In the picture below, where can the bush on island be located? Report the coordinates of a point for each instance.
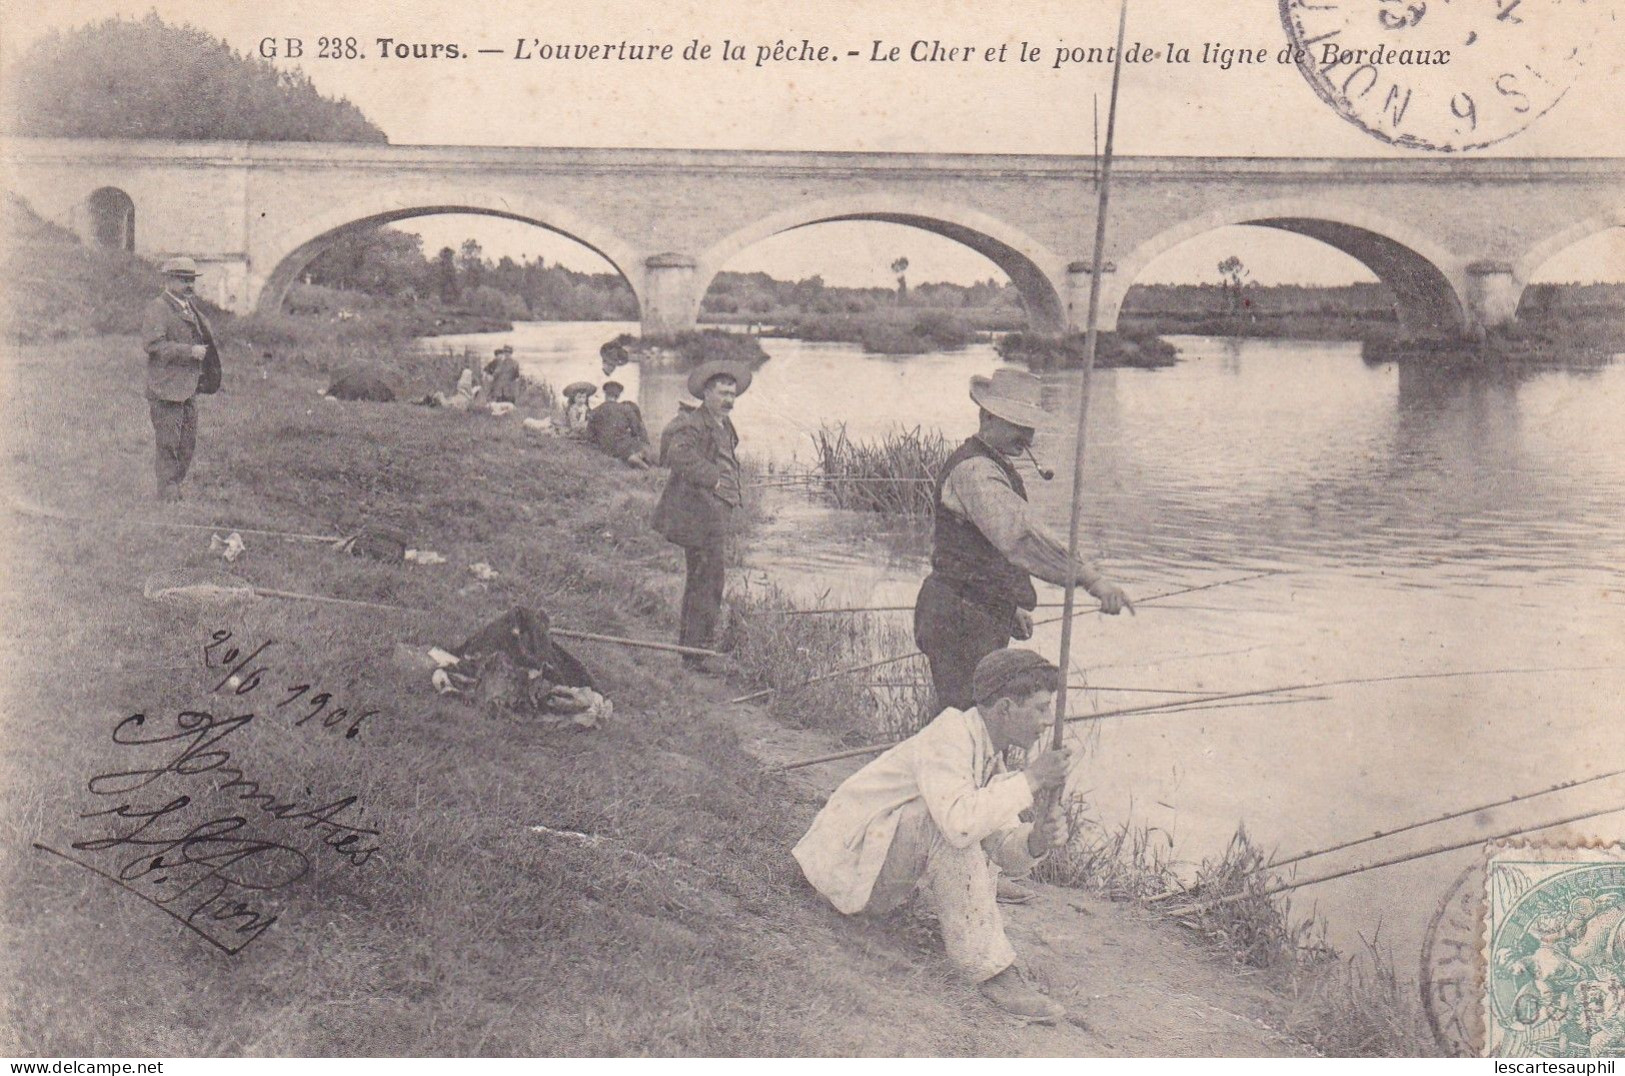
(1043, 352)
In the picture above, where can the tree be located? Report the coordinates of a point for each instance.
(445, 275)
(379, 261)
(471, 264)
(900, 267)
(126, 78)
(1235, 279)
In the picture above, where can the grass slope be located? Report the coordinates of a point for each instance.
(686, 930)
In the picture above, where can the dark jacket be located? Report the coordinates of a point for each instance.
(167, 336)
(963, 558)
(691, 512)
(504, 383)
(616, 426)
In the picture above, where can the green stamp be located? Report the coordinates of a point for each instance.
(1554, 944)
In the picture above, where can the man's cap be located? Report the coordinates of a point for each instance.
(705, 371)
(179, 267)
(612, 387)
(995, 673)
(1013, 395)
(505, 349)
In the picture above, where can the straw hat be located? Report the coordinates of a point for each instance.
(705, 371)
(179, 267)
(584, 388)
(1013, 395)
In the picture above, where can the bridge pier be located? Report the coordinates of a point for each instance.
(668, 302)
(1493, 292)
(224, 281)
(1077, 297)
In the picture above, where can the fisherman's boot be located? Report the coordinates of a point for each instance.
(1008, 992)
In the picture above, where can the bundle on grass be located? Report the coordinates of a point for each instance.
(512, 665)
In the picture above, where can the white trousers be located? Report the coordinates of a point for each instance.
(960, 886)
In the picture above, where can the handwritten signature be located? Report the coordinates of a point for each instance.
(216, 876)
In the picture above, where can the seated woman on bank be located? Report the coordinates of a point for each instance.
(577, 409)
(616, 427)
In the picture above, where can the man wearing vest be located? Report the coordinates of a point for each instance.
(182, 361)
(989, 543)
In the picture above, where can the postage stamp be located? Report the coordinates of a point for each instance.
(1554, 950)
(1440, 76)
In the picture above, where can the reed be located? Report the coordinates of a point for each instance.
(1340, 1006)
(894, 476)
(780, 652)
(1123, 864)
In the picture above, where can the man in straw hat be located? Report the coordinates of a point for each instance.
(989, 542)
(939, 814)
(182, 361)
(696, 507)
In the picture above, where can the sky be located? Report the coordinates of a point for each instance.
(979, 105)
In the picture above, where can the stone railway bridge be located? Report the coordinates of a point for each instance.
(1456, 238)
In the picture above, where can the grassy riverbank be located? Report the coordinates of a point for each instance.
(659, 913)
(417, 909)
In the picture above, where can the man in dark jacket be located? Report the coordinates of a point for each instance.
(502, 373)
(696, 508)
(616, 427)
(181, 362)
(989, 542)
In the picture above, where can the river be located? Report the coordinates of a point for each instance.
(1419, 521)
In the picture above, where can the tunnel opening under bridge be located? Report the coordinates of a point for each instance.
(1278, 274)
(365, 252)
(893, 269)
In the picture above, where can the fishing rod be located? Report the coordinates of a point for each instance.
(1450, 817)
(563, 633)
(791, 480)
(870, 749)
(1426, 853)
(1076, 687)
(766, 691)
(910, 609)
(1168, 594)
(49, 513)
(1345, 682)
(1174, 706)
(1090, 341)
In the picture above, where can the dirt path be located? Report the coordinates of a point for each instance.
(1135, 985)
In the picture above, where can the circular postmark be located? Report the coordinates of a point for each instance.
(1436, 75)
(1555, 983)
(1452, 977)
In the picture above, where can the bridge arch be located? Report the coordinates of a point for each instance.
(1032, 268)
(286, 254)
(1548, 248)
(1429, 282)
